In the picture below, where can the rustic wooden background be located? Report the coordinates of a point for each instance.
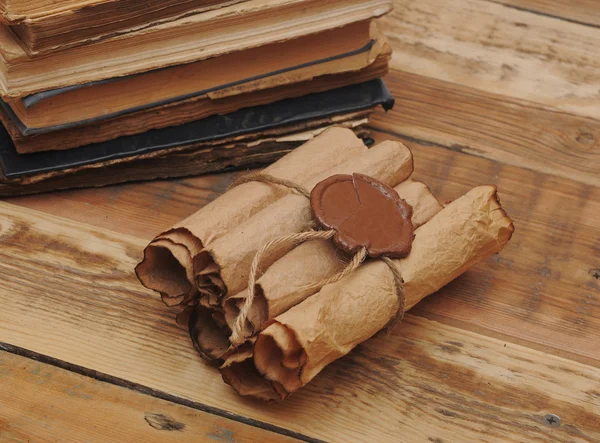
(488, 91)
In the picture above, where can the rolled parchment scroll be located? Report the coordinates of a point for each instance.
(167, 265)
(298, 323)
(223, 266)
(290, 280)
(299, 343)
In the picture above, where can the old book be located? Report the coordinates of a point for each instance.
(246, 137)
(355, 100)
(177, 163)
(44, 25)
(181, 112)
(188, 39)
(345, 49)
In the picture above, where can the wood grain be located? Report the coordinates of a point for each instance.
(42, 403)
(508, 130)
(489, 91)
(580, 11)
(69, 292)
(541, 289)
(137, 209)
(502, 50)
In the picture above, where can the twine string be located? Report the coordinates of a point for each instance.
(399, 283)
(237, 333)
(268, 178)
(356, 261)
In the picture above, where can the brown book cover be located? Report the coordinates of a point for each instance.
(45, 26)
(181, 112)
(345, 49)
(246, 137)
(197, 37)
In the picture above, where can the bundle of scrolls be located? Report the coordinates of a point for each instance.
(294, 266)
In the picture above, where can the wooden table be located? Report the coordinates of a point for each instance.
(502, 91)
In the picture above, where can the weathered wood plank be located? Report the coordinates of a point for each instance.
(543, 287)
(43, 403)
(138, 209)
(508, 130)
(498, 49)
(553, 301)
(579, 11)
(69, 292)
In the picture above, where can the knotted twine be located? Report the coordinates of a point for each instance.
(237, 336)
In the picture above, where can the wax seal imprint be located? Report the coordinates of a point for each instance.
(364, 213)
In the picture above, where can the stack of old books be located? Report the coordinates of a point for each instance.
(104, 91)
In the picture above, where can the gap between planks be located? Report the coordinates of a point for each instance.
(549, 269)
(145, 390)
(581, 12)
(548, 266)
(95, 314)
(494, 48)
(47, 400)
(504, 129)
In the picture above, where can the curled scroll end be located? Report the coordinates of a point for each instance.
(364, 213)
(239, 372)
(242, 376)
(504, 220)
(208, 334)
(280, 358)
(162, 272)
(167, 266)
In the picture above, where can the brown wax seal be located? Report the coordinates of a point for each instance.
(364, 213)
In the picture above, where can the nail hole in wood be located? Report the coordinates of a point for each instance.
(163, 423)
